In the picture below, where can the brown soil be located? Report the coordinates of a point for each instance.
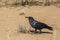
(10, 20)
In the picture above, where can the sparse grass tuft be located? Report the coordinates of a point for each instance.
(57, 4)
(22, 29)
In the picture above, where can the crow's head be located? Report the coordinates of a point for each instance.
(30, 17)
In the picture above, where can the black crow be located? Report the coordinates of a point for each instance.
(38, 25)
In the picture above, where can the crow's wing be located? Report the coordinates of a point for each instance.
(35, 23)
(39, 24)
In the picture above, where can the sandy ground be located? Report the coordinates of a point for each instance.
(10, 20)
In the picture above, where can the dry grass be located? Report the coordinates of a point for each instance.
(22, 28)
(16, 3)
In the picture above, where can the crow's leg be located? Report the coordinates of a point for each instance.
(40, 30)
(35, 30)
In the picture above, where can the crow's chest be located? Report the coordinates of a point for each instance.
(33, 24)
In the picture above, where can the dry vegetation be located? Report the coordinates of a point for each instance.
(29, 2)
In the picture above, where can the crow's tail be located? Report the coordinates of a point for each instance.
(50, 28)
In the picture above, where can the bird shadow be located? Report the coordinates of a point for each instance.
(32, 31)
